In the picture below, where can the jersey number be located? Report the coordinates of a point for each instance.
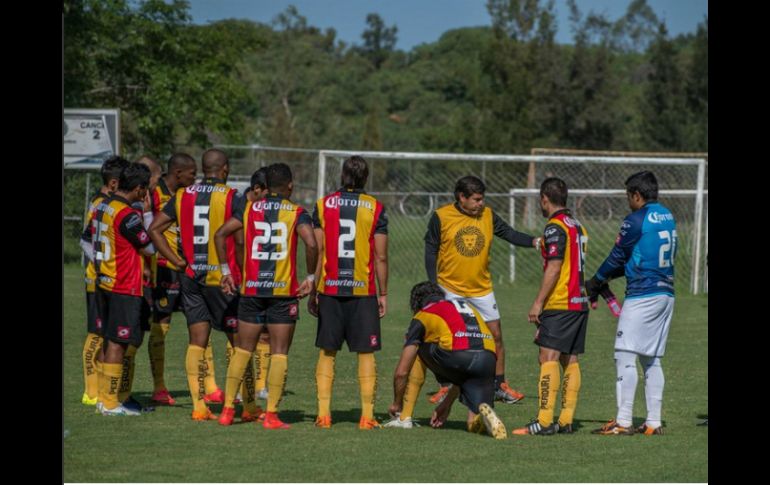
(201, 219)
(667, 249)
(275, 233)
(101, 229)
(462, 307)
(350, 236)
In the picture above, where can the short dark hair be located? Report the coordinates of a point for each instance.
(422, 292)
(259, 179)
(354, 172)
(556, 190)
(645, 183)
(112, 167)
(179, 160)
(468, 186)
(135, 175)
(278, 176)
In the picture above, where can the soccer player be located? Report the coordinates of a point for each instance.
(110, 173)
(457, 246)
(199, 211)
(560, 311)
(180, 172)
(644, 252)
(451, 339)
(351, 229)
(119, 241)
(269, 288)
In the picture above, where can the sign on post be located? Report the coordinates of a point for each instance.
(90, 136)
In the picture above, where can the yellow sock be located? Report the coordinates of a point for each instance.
(247, 387)
(127, 375)
(111, 379)
(547, 392)
(209, 380)
(90, 377)
(324, 379)
(569, 393)
(276, 380)
(367, 379)
(262, 357)
(101, 381)
(413, 385)
(195, 365)
(156, 347)
(235, 371)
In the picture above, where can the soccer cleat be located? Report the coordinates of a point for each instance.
(88, 401)
(226, 416)
(564, 429)
(477, 425)
(247, 417)
(206, 415)
(262, 394)
(119, 410)
(366, 423)
(612, 427)
(507, 394)
(134, 405)
(648, 431)
(323, 422)
(440, 395)
(534, 427)
(398, 423)
(216, 397)
(494, 425)
(271, 421)
(163, 397)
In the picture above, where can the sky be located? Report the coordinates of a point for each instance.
(421, 21)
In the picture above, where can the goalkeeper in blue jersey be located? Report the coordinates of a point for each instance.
(644, 253)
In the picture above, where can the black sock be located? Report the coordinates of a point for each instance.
(499, 379)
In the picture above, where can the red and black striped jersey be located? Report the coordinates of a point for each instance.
(453, 325)
(118, 235)
(270, 246)
(88, 234)
(160, 196)
(349, 219)
(564, 238)
(200, 210)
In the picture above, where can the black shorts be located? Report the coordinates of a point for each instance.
(121, 317)
(201, 303)
(355, 320)
(254, 309)
(93, 322)
(562, 330)
(166, 296)
(472, 370)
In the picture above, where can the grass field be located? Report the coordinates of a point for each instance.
(166, 446)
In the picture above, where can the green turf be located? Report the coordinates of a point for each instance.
(166, 446)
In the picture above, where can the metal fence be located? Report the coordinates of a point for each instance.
(413, 185)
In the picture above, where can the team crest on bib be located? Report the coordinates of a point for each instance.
(469, 241)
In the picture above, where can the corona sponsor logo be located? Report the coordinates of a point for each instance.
(205, 188)
(337, 201)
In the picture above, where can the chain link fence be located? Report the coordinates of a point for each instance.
(413, 185)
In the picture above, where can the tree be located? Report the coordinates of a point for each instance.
(379, 40)
(698, 89)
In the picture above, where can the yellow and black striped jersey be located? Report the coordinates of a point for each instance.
(453, 325)
(160, 196)
(564, 238)
(349, 219)
(200, 210)
(118, 235)
(270, 246)
(87, 236)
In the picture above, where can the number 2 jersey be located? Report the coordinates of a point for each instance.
(644, 251)
(270, 246)
(199, 210)
(349, 220)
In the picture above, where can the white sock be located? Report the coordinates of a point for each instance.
(653, 389)
(625, 387)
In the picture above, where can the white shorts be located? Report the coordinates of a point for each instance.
(486, 305)
(644, 324)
